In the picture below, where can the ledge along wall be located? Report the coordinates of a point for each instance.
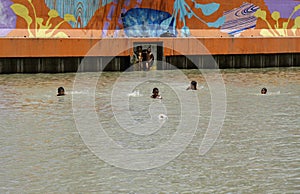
(62, 36)
(72, 55)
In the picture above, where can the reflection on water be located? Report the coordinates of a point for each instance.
(256, 152)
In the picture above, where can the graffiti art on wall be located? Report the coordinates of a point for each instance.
(7, 17)
(105, 2)
(184, 11)
(109, 20)
(279, 29)
(285, 7)
(143, 22)
(41, 29)
(153, 23)
(240, 19)
(81, 9)
(141, 18)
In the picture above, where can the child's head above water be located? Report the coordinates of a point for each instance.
(263, 91)
(155, 93)
(60, 91)
(193, 86)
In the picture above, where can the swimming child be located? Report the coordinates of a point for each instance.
(60, 91)
(193, 86)
(156, 94)
(263, 91)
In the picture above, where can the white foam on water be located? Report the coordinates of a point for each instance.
(162, 117)
(135, 93)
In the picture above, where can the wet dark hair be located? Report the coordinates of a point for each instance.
(60, 89)
(264, 90)
(194, 83)
(155, 90)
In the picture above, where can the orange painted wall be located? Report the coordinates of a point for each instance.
(12, 47)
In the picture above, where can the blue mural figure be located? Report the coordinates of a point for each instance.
(82, 10)
(145, 22)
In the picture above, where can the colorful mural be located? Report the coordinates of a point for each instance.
(183, 11)
(240, 19)
(279, 29)
(82, 10)
(285, 7)
(143, 22)
(41, 29)
(7, 18)
(141, 18)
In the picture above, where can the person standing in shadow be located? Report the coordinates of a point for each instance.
(149, 59)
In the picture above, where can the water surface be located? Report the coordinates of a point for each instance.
(257, 150)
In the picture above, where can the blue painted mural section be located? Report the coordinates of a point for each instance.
(7, 18)
(144, 22)
(105, 2)
(111, 12)
(82, 10)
